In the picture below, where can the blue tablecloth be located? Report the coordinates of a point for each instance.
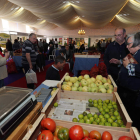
(85, 50)
(84, 64)
(39, 88)
(17, 60)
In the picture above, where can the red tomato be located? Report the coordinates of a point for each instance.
(95, 135)
(125, 138)
(49, 124)
(86, 133)
(45, 135)
(106, 136)
(76, 132)
(87, 138)
(55, 138)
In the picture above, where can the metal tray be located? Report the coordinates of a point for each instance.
(10, 97)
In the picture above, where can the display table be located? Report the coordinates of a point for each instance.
(84, 64)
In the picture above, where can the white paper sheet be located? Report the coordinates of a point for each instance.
(50, 83)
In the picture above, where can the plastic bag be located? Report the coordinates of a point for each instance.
(31, 77)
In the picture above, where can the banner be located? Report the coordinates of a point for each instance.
(3, 38)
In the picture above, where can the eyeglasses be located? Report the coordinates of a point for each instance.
(129, 43)
(118, 35)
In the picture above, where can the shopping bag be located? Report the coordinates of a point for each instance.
(31, 77)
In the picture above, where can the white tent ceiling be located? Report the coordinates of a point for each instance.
(48, 14)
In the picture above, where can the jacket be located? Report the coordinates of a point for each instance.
(3, 69)
(130, 82)
(114, 50)
(68, 56)
(16, 46)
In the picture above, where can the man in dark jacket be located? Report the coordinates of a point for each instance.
(129, 80)
(68, 55)
(16, 45)
(9, 45)
(115, 53)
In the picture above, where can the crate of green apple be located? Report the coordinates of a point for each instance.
(48, 129)
(108, 114)
(86, 84)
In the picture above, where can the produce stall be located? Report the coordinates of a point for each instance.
(116, 132)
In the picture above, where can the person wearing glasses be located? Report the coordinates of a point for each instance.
(115, 53)
(129, 80)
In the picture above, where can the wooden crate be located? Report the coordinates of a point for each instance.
(21, 130)
(36, 127)
(109, 77)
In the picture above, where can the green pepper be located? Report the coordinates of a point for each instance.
(63, 133)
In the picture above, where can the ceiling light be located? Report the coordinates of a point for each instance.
(77, 1)
(83, 16)
(81, 32)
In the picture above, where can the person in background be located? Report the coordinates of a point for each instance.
(103, 45)
(99, 45)
(56, 43)
(129, 80)
(53, 71)
(9, 45)
(0, 49)
(40, 43)
(45, 46)
(82, 48)
(115, 53)
(51, 48)
(3, 69)
(68, 55)
(20, 42)
(29, 50)
(16, 45)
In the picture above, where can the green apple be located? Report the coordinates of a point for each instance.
(76, 84)
(80, 78)
(84, 83)
(90, 105)
(95, 116)
(95, 123)
(101, 123)
(101, 116)
(55, 104)
(104, 107)
(89, 89)
(64, 83)
(111, 110)
(100, 104)
(103, 120)
(113, 103)
(111, 87)
(123, 126)
(88, 121)
(91, 119)
(100, 101)
(81, 121)
(102, 90)
(101, 86)
(97, 120)
(114, 106)
(106, 116)
(95, 105)
(93, 79)
(101, 109)
(103, 112)
(107, 124)
(104, 104)
(107, 101)
(73, 79)
(89, 81)
(67, 78)
(114, 124)
(85, 118)
(85, 89)
(119, 117)
(80, 88)
(69, 83)
(93, 85)
(110, 106)
(113, 118)
(86, 76)
(111, 113)
(75, 120)
(98, 82)
(89, 115)
(120, 122)
(106, 110)
(74, 88)
(106, 85)
(109, 81)
(99, 77)
(90, 100)
(94, 89)
(104, 80)
(109, 91)
(85, 113)
(95, 101)
(110, 120)
(80, 116)
(116, 113)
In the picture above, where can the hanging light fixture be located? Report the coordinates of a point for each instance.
(81, 32)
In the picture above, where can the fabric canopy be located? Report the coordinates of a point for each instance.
(48, 14)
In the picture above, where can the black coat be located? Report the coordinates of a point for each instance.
(16, 46)
(9, 46)
(69, 56)
(51, 50)
(114, 50)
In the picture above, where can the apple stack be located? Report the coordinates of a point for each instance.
(86, 84)
(108, 116)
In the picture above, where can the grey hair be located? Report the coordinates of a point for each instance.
(32, 35)
(124, 31)
(60, 59)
